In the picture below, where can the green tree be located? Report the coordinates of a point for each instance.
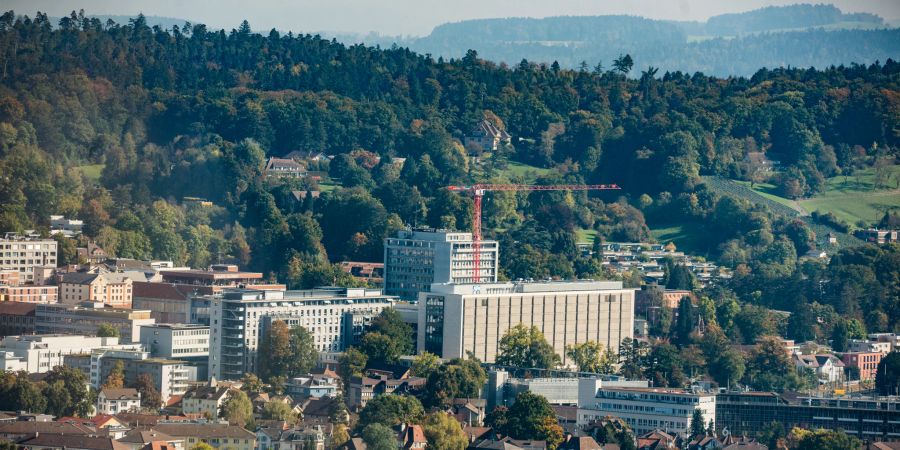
(459, 378)
(351, 363)
(425, 364)
(526, 347)
(237, 409)
(391, 410)
(202, 446)
(887, 376)
(27, 396)
(278, 410)
(58, 398)
(698, 423)
(379, 437)
(590, 357)
(339, 436)
(82, 399)
(684, 323)
(286, 352)
(827, 440)
(526, 417)
(443, 432)
(107, 330)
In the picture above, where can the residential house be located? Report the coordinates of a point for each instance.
(381, 379)
(66, 227)
(140, 438)
(284, 168)
(704, 442)
(469, 411)
(657, 440)
(46, 441)
(92, 254)
(205, 400)
(487, 137)
(114, 401)
(412, 437)
(828, 368)
(580, 443)
(313, 385)
(218, 435)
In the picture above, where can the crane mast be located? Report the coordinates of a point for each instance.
(478, 190)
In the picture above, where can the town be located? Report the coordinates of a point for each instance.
(586, 231)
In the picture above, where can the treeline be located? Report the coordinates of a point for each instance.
(190, 112)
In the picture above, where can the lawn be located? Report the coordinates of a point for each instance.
(92, 171)
(686, 238)
(515, 169)
(585, 236)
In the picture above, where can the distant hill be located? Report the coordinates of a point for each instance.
(729, 44)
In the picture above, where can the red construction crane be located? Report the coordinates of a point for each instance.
(478, 191)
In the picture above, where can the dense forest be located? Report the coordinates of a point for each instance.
(193, 112)
(795, 35)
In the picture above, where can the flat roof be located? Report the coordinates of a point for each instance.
(210, 274)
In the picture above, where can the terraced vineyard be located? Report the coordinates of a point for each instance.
(729, 187)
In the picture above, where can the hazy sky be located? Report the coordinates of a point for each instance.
(416, 17)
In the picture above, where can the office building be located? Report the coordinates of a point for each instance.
(41, 353)
(217, 279)
(415, 259)
(22, 254)
(184, 342)
(28, 293)
(645, 409)
(113, 289)
(455, 319)
(86, 318)
(16, 318)
(238, 320)
(866, 417)
(558, 387)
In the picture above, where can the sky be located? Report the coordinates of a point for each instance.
(409, 17)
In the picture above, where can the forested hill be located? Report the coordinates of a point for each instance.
(730, 44)
(117, 123)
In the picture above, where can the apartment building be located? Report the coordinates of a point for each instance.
(415, 259)
(40, 353)
(865, 363)
(646, 409)
(86, 318)
(170, 377)
(28, 294)
(239, 319)
(114, 401)
(184, 342)
(456, 319)
(22, 254)
(110, 288)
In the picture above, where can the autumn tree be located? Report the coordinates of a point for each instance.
(286, 352)
(237, 409)
(444, 432)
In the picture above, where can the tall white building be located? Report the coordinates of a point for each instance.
(41, 353)
(644, 409)
(23, 254)
(455, 319)
(238, 321)
(415, 259)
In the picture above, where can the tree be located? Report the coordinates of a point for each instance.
(379, 437)
(150, 397)
(286, 352)
(278, 410)
(107, 330)
(698, 423)
(684, 323)
(459, 378)
(826, 440)
(237, 409)
(202, 446)
(443, 432)
(590, 357)
(887, 376)
(251, 384)
(632, 356)
(391, 410)
(526, 347)
(58, 399)
(425, 364)
(351, 364)
(840, 336)
(116, 377)
(525, 419)
(390, 324)
(623, 64)
(75, 382)
(339, 436)
(380, 347)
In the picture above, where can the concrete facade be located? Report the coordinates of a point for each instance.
(455, 319)
(415, 259)
(23, 254)
(86, 319)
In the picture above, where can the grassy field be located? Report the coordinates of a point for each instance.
(516, 169)
(92, 172)
(685, 238)
(583, 236)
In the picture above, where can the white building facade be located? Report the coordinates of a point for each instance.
(41, 353)
(455, 319)
(645, 409)
(415, 259)
(239, 319)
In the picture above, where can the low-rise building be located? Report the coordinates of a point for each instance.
(205, 400)
(28, 294)
(865, 363)
(218, 435)
(558, 387)
(828, 368)
(16, 318)
(313, 385)
(876, 236)
(65, 227)
(486, 137)
(114, 401)
(113, 289)
(86, 318)
(868, 346)
(219, 278)
(170, 377)
(91, 254)
(41, 353)
(645, 409)
(284, 168)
